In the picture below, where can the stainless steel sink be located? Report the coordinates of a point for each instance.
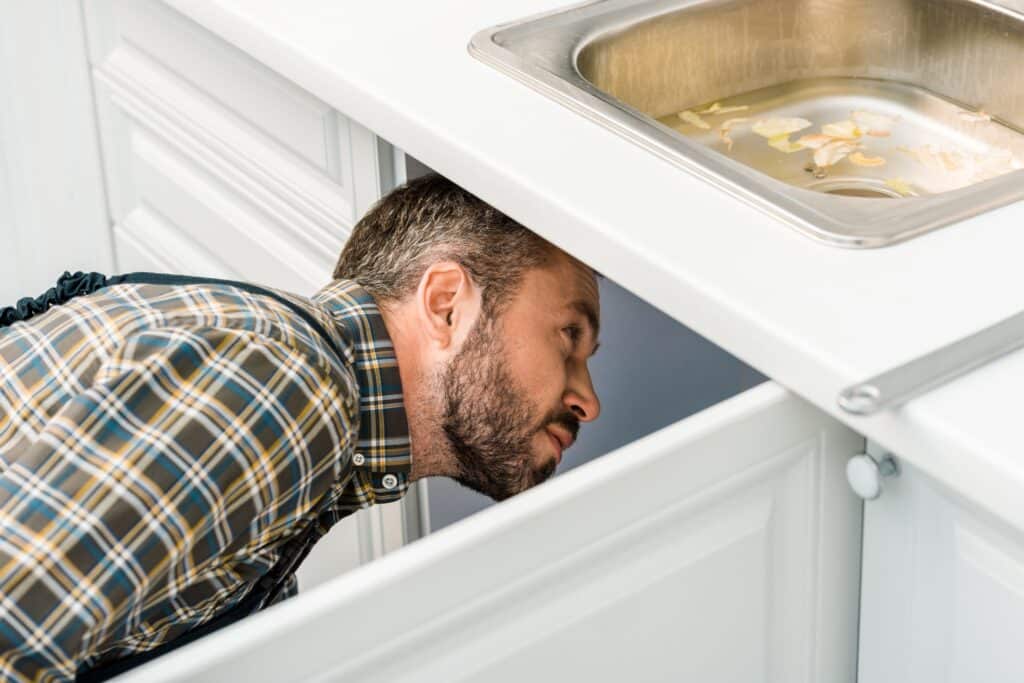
(946, 78)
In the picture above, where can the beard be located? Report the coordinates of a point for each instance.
(488, 421)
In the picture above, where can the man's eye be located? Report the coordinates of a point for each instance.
(574, 332)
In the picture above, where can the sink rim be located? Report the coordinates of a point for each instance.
(547, 59)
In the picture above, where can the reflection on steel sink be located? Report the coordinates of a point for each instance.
(946, 76)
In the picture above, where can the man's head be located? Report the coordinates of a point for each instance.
(493, 327)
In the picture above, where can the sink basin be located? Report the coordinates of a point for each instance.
(919, 102)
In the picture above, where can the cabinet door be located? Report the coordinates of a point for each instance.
(722, 548)
(943, 589)
(216, 165)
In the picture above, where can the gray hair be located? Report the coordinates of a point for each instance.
(432, 219)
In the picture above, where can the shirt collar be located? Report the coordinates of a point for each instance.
(382, 452)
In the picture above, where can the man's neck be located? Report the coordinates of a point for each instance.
(429, 457)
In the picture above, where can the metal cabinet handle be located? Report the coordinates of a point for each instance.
(896, 386)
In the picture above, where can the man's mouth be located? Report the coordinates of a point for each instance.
(561, 440)
(558, 447)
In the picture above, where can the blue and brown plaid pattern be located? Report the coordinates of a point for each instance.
(159, 444)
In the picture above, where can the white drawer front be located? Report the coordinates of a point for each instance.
(723, 548)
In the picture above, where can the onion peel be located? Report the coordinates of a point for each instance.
(694, 119)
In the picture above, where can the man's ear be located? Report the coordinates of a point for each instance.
(448, 302)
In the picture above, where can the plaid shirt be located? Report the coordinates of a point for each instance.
(159, 444)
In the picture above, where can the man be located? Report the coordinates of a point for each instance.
(161, 446)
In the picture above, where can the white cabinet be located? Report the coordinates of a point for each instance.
(722, 548)
(943, 588)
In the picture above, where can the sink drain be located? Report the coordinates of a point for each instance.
(861, 192)
(855, 187)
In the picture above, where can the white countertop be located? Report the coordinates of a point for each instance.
(812, 317)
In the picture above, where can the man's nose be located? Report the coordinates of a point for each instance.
(581, 398)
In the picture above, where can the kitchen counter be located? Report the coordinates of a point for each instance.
(812, 317)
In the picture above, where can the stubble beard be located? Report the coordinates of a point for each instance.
(486, 419)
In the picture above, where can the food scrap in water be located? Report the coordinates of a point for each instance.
(694, 119)
(874, 124)
(717, 108)
(834, 152)
(773, 128)
(843, 130)
(815, 140)
(951, 160)
(726, 128)
(843, 140)
(900, 185)
(784, 144)
(858, 159)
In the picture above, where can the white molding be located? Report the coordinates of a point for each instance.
(230, 229)
(310, 205)
(280, 110)
(143, 237)
(375, 176)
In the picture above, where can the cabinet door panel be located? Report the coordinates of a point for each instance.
(234, 158)
(723, 548)
(213, 193)
(293, 118)
(145, 241)
(943, 592)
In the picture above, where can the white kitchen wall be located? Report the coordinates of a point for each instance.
(10, 271)
(53, 215)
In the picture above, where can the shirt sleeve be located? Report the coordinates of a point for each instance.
(189, 448)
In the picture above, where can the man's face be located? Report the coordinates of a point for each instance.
(514, 396)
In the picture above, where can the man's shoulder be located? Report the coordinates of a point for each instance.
(266, 314)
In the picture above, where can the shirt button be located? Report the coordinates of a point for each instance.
(389, 481)
(359, 459)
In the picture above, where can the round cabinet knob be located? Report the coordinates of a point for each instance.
(865, 474)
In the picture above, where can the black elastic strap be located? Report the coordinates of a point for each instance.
(68, 287)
